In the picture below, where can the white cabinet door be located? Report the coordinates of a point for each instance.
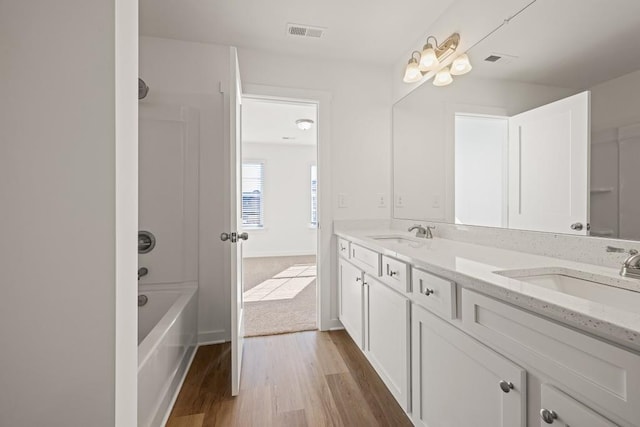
(456, 381)
(549, 166)
(387, 337)
(350, 310)
(562, 411)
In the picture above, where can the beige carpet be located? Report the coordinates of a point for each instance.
(280, 295)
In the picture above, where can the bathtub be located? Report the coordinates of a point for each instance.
(167, 328)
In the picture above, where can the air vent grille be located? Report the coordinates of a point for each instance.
(299, 30)
(501, 58)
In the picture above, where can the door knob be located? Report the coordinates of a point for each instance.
(243, 236)
(577, 226)
(506, 386)
(224, 237)
(548, 416)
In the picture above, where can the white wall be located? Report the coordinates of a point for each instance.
(191, 74)
(287, 200)
(360, 122)
(68, 167)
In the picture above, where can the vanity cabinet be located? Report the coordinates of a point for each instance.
(387, 337)
(459, 382)
(350, 309)
(603, 376)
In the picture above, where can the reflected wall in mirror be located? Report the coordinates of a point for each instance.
(545, 138)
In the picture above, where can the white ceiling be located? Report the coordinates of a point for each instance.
(568, 43)
(266, 121)
(376, 31)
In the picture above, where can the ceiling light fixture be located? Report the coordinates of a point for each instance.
(304, 124)
(429, 62)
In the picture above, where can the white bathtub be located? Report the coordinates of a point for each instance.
(167, 328)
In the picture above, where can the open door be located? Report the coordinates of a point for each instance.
(234, 236)
(549, 150)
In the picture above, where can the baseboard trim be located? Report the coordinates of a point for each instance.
(277, 254)
(332, 325)
(213, 337)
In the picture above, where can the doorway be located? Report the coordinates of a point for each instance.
(280, 213)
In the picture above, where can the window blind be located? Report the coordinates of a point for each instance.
(253, 195)
(314, 195)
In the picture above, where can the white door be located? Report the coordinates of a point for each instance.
(562, 411)
(234, 236)
(549, 167)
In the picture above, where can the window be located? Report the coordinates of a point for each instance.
(314, 195)
(253, 195)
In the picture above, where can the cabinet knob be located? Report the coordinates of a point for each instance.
(342, 248)
(506, 386)
(393, 273)
(548, 416)
(358, 279)
(428, 291)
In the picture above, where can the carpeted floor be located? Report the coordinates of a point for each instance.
(280, 295)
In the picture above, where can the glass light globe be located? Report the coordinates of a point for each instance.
(443, 77)
(428, 58)
(412, 73)
(461, 65)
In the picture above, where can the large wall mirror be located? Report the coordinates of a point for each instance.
(543, 134)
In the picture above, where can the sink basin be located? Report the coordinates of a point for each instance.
(399, 240)
(591, 287)
(393, 239)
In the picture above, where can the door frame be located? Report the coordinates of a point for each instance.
(322, 100)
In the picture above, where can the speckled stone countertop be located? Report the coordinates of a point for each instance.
(474, 266)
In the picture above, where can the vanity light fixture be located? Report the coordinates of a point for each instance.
(429, 62)
(304, 124)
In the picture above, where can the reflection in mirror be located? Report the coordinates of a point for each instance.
(546, 137)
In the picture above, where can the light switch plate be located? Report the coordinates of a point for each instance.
(342, 200)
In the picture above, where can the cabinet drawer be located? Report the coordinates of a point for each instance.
(366, 259)
(434, 293)
(343, 248)
(600, 374)
(396, 274)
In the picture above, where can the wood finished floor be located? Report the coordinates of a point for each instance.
(302, 379)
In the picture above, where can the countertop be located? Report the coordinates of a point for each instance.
(473, 266)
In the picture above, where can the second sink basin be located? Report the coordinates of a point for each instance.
(579, 284)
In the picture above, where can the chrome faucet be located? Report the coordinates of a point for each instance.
(631, 265)
(422, 231)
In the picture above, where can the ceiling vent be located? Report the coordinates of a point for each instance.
(299, 30)
(502, 58)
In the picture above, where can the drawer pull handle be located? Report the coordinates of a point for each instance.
(358, 279)
(506, 386)
(428, 291)
(548, 416)
(393, 273)
(342, 248)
